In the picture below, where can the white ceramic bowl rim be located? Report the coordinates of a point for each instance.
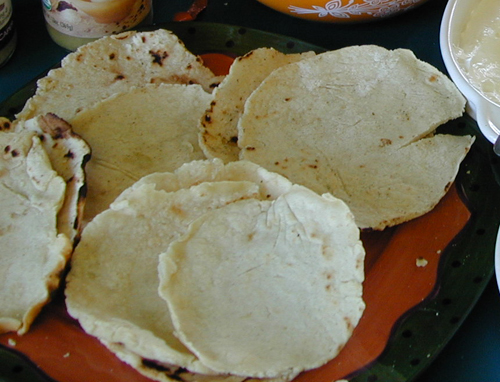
(484, 111)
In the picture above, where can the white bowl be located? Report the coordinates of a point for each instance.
(485, 112)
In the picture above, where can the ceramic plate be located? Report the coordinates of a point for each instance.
(497, 260)
(422, 277)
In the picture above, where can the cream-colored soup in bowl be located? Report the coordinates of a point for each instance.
(470, 46)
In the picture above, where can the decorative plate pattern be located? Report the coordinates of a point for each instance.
(337, 8)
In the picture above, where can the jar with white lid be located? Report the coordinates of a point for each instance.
(72, 23)
(7, 32)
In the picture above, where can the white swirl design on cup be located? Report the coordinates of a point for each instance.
(375, 8)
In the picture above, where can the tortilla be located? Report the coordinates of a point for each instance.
(148, 129)
(33, 253)
(68, 154)
(350, 122)
(112, 286)
(266, 288)
(111, 65)
(219, 125)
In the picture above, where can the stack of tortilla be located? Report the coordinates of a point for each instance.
(164, 90)
(42, 181)
(358, 122)
(219, 273)
(136, 98)
(219, 135)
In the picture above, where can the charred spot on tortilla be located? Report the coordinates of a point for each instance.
(158, 56)
(5, 124)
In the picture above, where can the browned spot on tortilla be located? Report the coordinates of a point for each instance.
(177, 210)
(385, 142)
(349, 324)
(246, 55)
(359, 263)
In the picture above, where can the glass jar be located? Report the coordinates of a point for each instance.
(72, 23)
(7, 32)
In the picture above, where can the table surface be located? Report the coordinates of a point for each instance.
(473, 355)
